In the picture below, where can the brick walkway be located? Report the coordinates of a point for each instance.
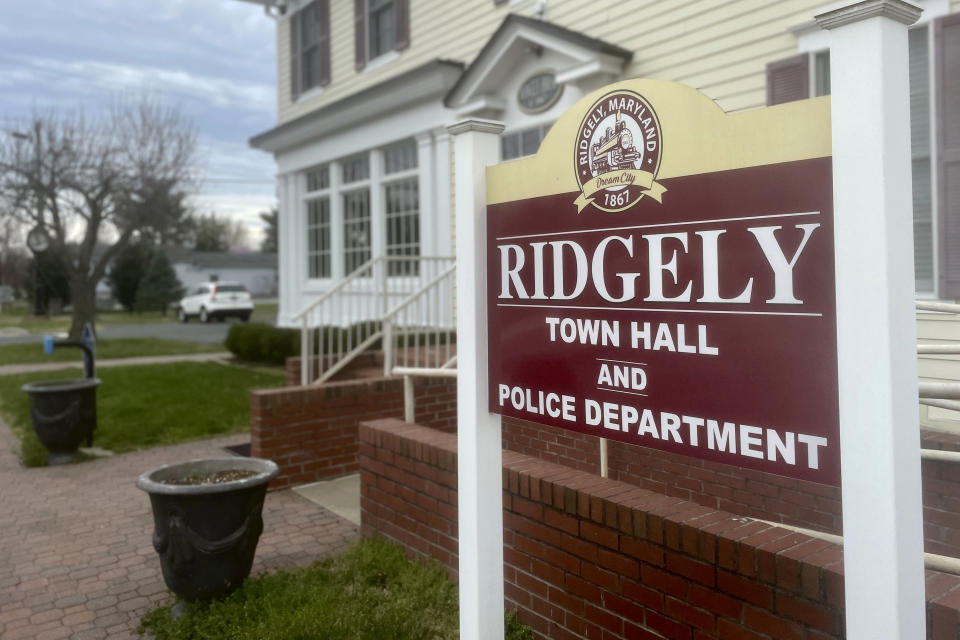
(76, 558)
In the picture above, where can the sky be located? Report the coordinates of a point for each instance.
(214, 59)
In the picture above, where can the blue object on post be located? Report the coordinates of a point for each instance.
(87, 344)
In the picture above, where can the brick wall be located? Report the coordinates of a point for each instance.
(742, 491)
(312, 435)
(575, 450)
(586, 557)
(311, 432)
(365, 365)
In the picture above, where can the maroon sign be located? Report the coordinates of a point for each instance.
(700, 320)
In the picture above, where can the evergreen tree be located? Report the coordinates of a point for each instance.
(269, 243)
(159, 286)
(127, 271)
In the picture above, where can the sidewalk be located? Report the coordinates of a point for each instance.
(15, 369)
(76, 558)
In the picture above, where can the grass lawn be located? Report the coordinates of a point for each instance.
(15, 316)
(148, 406)
(117, 348)
(369, 592)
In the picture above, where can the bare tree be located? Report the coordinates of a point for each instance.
(93, 184)
(218, 233)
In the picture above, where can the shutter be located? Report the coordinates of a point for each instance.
(402, 11)
(294, 57)
(788, 79)
(947, 73)
(322, 8)
(360, 33)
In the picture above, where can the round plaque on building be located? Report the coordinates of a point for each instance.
(539, 92)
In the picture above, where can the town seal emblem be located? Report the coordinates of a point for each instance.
(618, 153)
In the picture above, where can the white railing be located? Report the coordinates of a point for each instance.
(419, 336)
(348, 319)
(944, 395)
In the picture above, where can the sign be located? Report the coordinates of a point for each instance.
(662, 274)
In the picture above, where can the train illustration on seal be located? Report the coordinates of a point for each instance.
(614, 150)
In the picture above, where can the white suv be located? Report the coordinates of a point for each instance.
(216, 300)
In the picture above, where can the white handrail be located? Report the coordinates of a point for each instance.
(351, 315)
(354, 275)
(397, 308)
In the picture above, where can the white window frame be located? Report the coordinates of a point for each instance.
(317, 89)
(387, 56)
(812, 40)
(316, 194)
(393, 178)
(376, 185)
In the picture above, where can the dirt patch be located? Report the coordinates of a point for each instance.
(213, 477)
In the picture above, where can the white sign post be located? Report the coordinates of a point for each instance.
(876, 325)
(479, 454)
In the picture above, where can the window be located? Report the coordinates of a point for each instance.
(318, 178)
(821, 73)
(380, 26)
(400, 157)
(355, 169)
(920, 137)
(402, 206)
(522, 143)
(310, 47)
(318, 237)
(807, 74)
(356, 229)
(318, 222)
(365, 198)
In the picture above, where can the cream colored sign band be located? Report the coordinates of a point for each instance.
(693, 136)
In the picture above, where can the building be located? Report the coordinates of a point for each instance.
(256, 271)
(365, 90)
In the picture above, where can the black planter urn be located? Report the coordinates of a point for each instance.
(64, 414)
(206, 534)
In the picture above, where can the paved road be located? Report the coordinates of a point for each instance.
(76, 559)
(212, 333)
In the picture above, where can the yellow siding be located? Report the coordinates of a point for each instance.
(718, 46)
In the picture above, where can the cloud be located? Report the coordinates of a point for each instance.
(214, 59)
(86, 78)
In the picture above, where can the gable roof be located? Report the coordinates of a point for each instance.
(509, 25)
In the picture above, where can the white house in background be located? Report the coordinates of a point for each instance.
(365, 89)
(256, 271)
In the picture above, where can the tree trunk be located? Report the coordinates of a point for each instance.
(83, 299)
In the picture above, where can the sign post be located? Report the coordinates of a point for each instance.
(876, 321)
(479, 468)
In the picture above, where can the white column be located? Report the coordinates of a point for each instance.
(876, 327)
(378, 226)
(426, 183)
(378, 232)
(479, 469)
(286, 306)
(337, 271)
(441, 178)
(295, 259)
